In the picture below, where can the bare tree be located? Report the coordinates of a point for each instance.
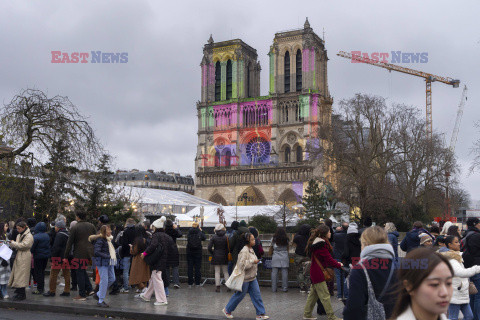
(33, 122)
(382, 160)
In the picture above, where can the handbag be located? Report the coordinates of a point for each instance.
(229, 255)
(328, 273)
(472, 289)
(235, 281)
(153, 257)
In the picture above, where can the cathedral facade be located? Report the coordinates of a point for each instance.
(252, 149)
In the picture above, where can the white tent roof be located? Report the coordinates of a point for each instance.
(159, 196)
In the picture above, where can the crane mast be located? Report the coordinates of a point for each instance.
(429, 78)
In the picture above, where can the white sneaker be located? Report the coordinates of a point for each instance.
(143, 298)
(228, 315)
(176, 286)
(124, 290)
(6, 296)
(304, 318)
(160, 303)
(263, 317)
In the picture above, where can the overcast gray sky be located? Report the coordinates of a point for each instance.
(144, 111)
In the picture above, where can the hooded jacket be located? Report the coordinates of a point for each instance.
(60, 243)
(41, 242)
(218, 248)
(378, 263)
(160, 238)
(461, 275)
(320, 251)
(301, 239)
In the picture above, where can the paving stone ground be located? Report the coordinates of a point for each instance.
(192, 302)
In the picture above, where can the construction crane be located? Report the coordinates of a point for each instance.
(429, 78)
(453, 142)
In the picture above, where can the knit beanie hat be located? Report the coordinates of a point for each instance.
(352, 228)
(219, 227)
(158, 224)
(243, 223)
(60, 224)
(424, 238)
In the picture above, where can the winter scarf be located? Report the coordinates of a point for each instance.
(111, 250)
(380, 250)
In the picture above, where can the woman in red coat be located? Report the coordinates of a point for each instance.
(320, 250)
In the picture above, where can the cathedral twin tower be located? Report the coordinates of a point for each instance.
(252, 149)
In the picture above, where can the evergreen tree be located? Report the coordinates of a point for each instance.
(314, 201)
(99, 196)
(58, 182)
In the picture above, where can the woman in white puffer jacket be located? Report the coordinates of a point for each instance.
(460, 299)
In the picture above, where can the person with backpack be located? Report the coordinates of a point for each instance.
(320, 251)
(460, 299)
(301, 260)
(195, 237)
(372, 280)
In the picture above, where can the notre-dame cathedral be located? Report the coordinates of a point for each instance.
(252, 149)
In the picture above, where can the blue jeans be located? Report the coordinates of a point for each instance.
(230, 267)
(253, 290)
(453, 310)
(107, 278)
(126, 271)
(475, 299)
(3, 288)
(341, 282)
(173, 273)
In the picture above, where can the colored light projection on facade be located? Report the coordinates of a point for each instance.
(308, 62)
(297, 187)
(242, 131)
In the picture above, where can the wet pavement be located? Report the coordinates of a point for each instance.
(183, 303)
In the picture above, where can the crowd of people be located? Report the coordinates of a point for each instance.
(437, 279)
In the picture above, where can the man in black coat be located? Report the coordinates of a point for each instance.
(127, 239)
(58, 254)
(195, 237)
(339, 241)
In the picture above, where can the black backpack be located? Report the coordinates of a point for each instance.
(194, 241)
